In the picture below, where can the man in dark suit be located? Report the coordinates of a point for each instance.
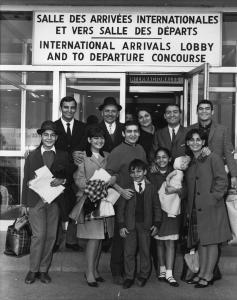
(113, 129)
(44, 216)
(72, 132)
(218, 137)
(171, 137)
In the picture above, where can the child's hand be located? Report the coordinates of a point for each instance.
(154, 168)
(154, 230)
(78, 157)
(123, 232)
(57, 182)
(127, 193)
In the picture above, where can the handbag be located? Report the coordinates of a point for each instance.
(231, 205)
(18, 241)
(104, 209)
(192, 261)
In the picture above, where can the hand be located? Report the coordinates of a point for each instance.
(57, 181)
(78, 157)
(127, 193)
(123, 232)
(154, 168)
(154, 230)
(234, 182)
(205, 151)
(112, 181)
(24, 210)
(171, 190)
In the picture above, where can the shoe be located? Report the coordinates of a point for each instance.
(30, 277)
(127, 283)
(217, 274)
(91, 283)
(74, 247)
(141, 281)
(172, 282)
(44, 277)
(203, 283)
(161, 277)
(193, 280)
(118, 280)
(99, 279)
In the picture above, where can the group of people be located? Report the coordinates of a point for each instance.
(141, 163)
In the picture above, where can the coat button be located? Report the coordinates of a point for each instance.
(199, 209)
(198, 193)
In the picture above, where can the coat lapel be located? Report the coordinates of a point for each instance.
(211, 133)
(167, 138)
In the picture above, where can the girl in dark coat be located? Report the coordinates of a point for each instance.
(206, 185)
(168, 232)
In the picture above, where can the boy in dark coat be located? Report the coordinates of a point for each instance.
(138, 219)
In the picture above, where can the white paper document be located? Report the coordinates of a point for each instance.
(101, 174)
(41, 185)
(113, 196)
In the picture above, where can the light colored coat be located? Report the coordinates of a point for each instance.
(93, 229)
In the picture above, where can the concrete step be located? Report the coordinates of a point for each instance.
(70, 261)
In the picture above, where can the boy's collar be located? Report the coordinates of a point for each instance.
(51, 149)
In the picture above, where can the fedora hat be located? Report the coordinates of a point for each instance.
(48, 125)
(110, 101)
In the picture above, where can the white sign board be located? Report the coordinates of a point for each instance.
(121, 39)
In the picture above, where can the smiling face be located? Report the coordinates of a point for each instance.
(97, 143)
(144, 118)
(195, 143)
(68, 110)
(48, 139)
(204, 112)
(162, 159)
(138, 174)
(110, 113)
(131, 134)
(172, 115)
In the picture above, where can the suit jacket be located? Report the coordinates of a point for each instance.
(60, 169)
(152, 209)
(78, 133)
(220, 143)
(118, 137)
(162, 139)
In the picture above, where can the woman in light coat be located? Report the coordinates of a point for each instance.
(206, 184)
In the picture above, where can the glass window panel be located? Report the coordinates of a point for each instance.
(10, 119)
(38, 109)
(15, 38)
(39, 78)
(229, 39)
(222, 80)
(9, 187)
(90, 93)
(224, 112)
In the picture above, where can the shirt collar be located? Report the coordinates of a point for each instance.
(136, 186)
(44, 150)
(111, 127)
(65, 124)
(176, 129)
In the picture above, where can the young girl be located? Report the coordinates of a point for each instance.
(168, 232)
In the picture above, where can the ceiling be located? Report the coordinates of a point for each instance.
(175, 3)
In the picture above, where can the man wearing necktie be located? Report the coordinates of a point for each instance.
(43, 216)
(70, 139)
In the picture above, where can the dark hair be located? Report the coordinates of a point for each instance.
(92, 119)
(173, 104)
(189, 135)
(137, 164)
(164, 150)
(144, 109)
(204, 101)
(130, 123)
(94, 131)
(67, 99)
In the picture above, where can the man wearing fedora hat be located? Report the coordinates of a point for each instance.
(113, 129)
(43, 216)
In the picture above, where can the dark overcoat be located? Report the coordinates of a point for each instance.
(206, 182)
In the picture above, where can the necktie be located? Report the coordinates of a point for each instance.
(69, 134)
(173, 135)
(110, 128)
(140, 187)
(48, 158)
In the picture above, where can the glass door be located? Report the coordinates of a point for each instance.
(196, 88)
(90, 90)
